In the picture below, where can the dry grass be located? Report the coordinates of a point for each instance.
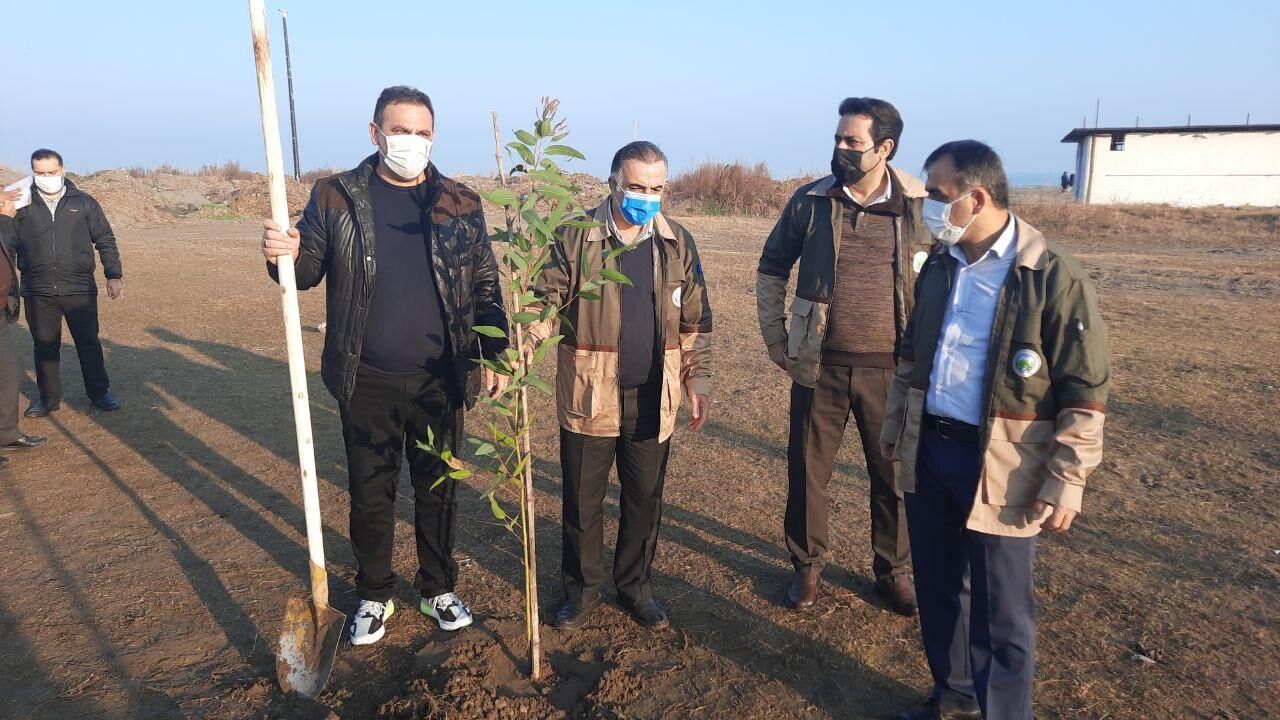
(730, 189)
(311, 176)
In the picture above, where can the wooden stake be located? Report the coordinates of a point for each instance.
(497, 149)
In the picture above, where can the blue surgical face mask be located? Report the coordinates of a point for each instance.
(639, 208)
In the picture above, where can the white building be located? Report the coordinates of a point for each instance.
(1192, 165)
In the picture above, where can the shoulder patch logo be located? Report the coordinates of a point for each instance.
(676, 296)
(1026, 363)
(917, 261)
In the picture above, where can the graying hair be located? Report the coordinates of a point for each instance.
(641, 150)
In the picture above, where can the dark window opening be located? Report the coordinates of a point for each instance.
(1117, 141)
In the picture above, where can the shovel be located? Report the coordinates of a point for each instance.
(311, 630)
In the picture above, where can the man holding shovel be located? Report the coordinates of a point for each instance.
(410, 274)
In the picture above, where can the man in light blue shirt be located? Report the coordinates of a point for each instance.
(955, 385)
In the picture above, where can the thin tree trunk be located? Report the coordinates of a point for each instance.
(526, 491)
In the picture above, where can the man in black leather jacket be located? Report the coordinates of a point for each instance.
(410, 274)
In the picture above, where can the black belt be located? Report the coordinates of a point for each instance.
(953, 430)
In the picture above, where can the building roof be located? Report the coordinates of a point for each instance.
(1081, 133)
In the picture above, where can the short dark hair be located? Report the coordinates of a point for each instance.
(45, 154)
(886, 122)
(641, 150)
(976, 165)
(400, 94)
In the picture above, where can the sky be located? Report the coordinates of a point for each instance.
(137, 82)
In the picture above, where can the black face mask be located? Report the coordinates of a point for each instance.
(846, 165)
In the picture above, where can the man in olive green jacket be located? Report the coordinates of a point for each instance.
(995, 418)
(617, 393)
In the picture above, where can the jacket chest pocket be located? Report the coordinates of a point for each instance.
(800, 332)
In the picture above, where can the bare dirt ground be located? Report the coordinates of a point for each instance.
(148, 553)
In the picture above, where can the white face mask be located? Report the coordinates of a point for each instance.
(406, 155)
(937, 217)
(49, 184)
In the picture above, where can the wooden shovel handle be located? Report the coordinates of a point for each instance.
(289, 300)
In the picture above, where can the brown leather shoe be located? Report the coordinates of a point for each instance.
(803, 591)
(900, 593)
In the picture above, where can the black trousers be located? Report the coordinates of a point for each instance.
(819, 417)
(977, 605)
(45, 314)
(386, 414)
(642, 470)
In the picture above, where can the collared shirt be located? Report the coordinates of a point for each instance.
(881, 198)
(959, 366)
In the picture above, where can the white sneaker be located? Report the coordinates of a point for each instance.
(448, 611)
(368, 625)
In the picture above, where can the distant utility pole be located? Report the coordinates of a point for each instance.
(1188, 121)
(1097, 106)
(293, 113)
(1137, 121)
(1247, 116)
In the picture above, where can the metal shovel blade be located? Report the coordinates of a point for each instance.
(308, 643)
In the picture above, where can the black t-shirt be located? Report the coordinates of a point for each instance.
(405, 331)
(638, 342)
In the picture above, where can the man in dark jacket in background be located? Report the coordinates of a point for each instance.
(410, 274)
(55, 237)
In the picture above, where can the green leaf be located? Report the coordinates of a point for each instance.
(526, 138)
(582, 224)
(554, 191)
(546, 345)
(488, 331)
(516, 259)
(525, 153)
(565, 151)
(460, 474)
(431, 438)
(614, 276)
(441, 479)
(550, 177)
(545, 129)
(500, 197)
(486, 449)
(537, 382)
(497, 510)
(524, 316)
(589, 295)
